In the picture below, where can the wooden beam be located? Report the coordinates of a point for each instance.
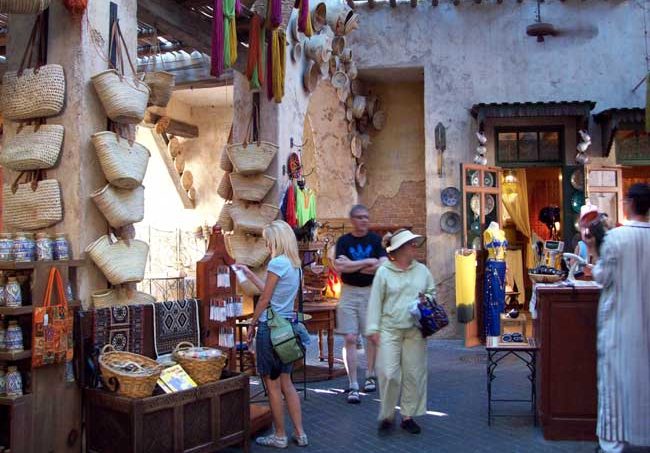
(175, 127)
(171, 168)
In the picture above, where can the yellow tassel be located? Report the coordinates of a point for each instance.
(233, 41)
(309, 31)
(279, 42)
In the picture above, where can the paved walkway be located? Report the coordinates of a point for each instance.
(457, 417)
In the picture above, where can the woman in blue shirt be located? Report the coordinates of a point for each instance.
(278, 292)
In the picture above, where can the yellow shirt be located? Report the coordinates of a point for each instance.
(393, 291)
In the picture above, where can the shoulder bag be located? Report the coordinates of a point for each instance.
(286, 343)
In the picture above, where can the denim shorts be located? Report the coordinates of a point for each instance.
(268, 363)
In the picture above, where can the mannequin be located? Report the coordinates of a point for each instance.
(494, 295)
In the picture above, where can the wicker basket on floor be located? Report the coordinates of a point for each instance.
(139, 383)
(201, 370)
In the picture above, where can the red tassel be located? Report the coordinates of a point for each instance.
(76, 7)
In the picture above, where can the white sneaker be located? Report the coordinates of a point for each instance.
(272, 441)
(301, 440)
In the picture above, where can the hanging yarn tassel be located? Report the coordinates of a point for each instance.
(237, 8)
(216, 62)
(279, 41)
(269, 67)
(229, 34)
(273, 14)
(254, 68)
(304, 18)
(76, 7)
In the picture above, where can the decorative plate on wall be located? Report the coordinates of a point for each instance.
(450, 196)
(475, 204)
(474, 178)
(578, 179)
(488, 179)
(476, 243)
(489, 203)
(577, 201)
(450, 222)
(475, 227)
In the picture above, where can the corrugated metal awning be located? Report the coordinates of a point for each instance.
(531, 109)
(613, 120)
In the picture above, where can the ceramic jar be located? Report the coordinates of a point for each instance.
(6, 247)
(3, 333)
(14, 382)
(61, 247)
(14, 337)
(24, 247)
(44, 247)
(3, 295)
(3, 382)
(13, 294)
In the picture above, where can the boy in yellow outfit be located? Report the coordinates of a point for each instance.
(402, 358)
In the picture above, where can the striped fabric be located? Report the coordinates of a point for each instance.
(624, 335)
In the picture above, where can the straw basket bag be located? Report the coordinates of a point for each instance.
(224, 162)
(128, 374)
(251, 158)
(252, 219)
(121, 207)
(250, 251)
(204, 365)
(179, 163)
(187, 180)
(318, 16)
(161, 84)
(124, 165)
(359, 106)
(124, 97)
(225, 188)
(251, 188)
(225, 220)
(23, 6)
(174, 147)
(120, 261)
(32, 205)
(37, 92)
(33, 148)
(379, 120)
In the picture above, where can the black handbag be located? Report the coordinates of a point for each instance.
(432, 316)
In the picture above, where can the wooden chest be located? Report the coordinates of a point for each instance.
(206, 419)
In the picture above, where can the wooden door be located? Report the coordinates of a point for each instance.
(605, 190)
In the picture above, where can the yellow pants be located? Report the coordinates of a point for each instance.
(402, 367)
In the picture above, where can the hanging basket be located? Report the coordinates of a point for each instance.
(175, 147)
(187, 180)
(250, 251)
(33, 148)
(32, 206)
(318, 48)
(105, 298)
(161, 84)
(251, 158)
(204, 365)
(338, 15)
(121, 207)
(225, 187)
(124, 164)
(359, 106)
(130, 375)
(120, 261)
(124, 97)
(318, 16)
(224, 162)
(33, 94)
(251, 188)
(225, 220)
(252, 218)
(23, 6)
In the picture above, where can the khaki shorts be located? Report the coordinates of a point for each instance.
(351, 310)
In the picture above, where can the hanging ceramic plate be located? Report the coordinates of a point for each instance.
(450, 222)
(474, 178)
(476, 243)
(488, 179)
(578, 179)
(475, 204)
(489, 204)
(577, 201)
(475, 227)
(450, 196)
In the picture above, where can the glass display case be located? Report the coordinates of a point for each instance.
(481, 187)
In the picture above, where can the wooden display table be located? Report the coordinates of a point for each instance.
(566, 335)
(323, 318)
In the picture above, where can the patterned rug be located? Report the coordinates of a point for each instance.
(121, 327)
(175, 321)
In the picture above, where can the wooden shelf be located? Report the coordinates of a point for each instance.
(10, 311)
(6, 401)
(15, 356)
(14, 266)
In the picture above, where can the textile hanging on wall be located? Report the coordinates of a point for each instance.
(175, 321)
(514, 197)
(304, 18)
(465, 285)
(229, 33)
(279, 43)
(255, 66)
(305, 206)
(121, 327)
(216, 61)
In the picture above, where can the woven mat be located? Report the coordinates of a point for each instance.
(121, 327)
(175, 321)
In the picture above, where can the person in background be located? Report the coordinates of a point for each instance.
(402, 356)
(622, 268)
(278, 292)
(358, 256)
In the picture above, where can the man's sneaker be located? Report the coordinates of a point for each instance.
(370, 385)
(353, 396)
(385, 427)
(301, 440)
(410, 426)
(272, 441)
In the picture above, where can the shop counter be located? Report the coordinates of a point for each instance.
(565, 331)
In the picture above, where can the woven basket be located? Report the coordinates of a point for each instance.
(201, 370)
(132, 385)
(124, 97)
(179, 163)
(105, 298)
(23, 6)
(187, 180)
(33, 94)
(33, 148)
(161, 84)
(121, 261)
(225, 220)
(225, 187)
(248, 250)
(28, 209)
(124, 165)
(121, 207)
(544, 278)
(252, 219)
(174, 147)
(251, 158)
(251, 188)
(224, 162)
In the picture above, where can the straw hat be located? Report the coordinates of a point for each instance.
(361, 175)
(379, 120)
(338, 45)
(318, 16)
(359, 106)
(311, 76)
(352, 23)
(353, 72)
(296, 52)
(372, 103)
(403, 237)
(355, 146)
(340, 80)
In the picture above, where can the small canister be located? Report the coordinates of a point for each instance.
(22, 248)
(31, 246)
(44, 247)
(3, 295)
(13, 293)
(14, 382)
(6, 247)
(3, 382)
(14, 337)
(61, 247)
(3, 332)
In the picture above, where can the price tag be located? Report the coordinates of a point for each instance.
(46, 319)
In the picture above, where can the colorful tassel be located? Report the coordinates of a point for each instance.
(279, 42)
(304, 19)
(269, 68)
(216, 63)
(254, 68)
(229, 34)
(76, 7)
